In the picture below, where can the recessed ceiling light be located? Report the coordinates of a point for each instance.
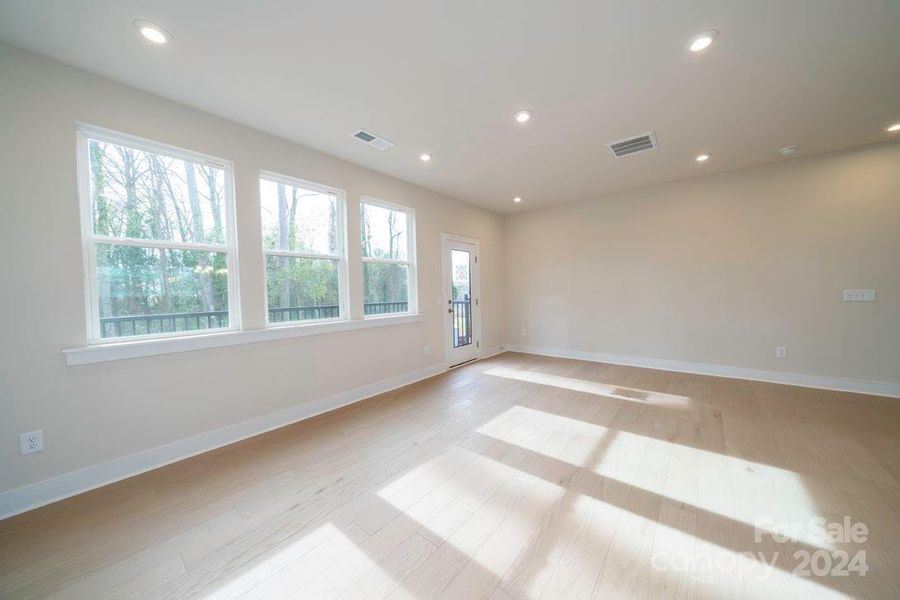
(523, 116)
(703, 158)
(703, 40)
(152, 32)
(425, 157)
(517, 199)
(894, 127)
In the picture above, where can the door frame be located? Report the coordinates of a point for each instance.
(446, 239)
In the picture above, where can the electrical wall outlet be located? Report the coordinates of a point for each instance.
(426, 350)
(780, 351)
(859, 295)
(31, 442)
(523, 333)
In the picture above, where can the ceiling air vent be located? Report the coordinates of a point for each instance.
(633, 145)
(373, 140)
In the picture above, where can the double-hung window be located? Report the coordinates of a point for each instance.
(389, 258)
(305, 253)
(158, 234)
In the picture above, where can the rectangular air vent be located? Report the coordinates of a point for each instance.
(373, 140)
(633, 145)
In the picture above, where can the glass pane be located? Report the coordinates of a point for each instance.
(462, 298)
(384, 232)
(144, 195)
(151, 290)
(459, 260)
(297, 219)
(386, 288)
(302, 289)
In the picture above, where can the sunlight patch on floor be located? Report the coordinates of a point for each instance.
(274, 567)
(463, 498)
(593, 387)
(592, 526)
(535, 424)
(716, 571)
(752, 493)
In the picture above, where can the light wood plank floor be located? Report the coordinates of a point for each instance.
(515, 477)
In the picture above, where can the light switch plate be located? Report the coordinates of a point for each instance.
(859, 295)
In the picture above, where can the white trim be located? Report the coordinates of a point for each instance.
(459, 238)
(166, 244)
(386, 204)
(388, 261)
(88, 248)
(340, 199)
(346, 311)
(231, 259)
(412, 273)
(118, 137)
(150, 337)
(859, 386)
(291, 254)
(139, 348)
(299, 182)
(28, 497)
(487, 353)
(85, 132)
(306, 323)
(447, 241)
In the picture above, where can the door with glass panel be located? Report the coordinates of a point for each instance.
(461, 308)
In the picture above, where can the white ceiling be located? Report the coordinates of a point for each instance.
(446, 76)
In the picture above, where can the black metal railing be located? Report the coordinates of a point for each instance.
(169, 323)
(165, 323)
(462, 322)
(384, 308)
(303, 313)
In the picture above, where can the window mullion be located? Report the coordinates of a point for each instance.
(151, 243)
(292, 254)
(387, 261)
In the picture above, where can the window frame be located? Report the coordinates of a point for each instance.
(412, 305)
(341, 234)
(89, 240)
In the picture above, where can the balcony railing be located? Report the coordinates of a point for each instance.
(303, 313)
(168, 323)
(385, 308)
(462, 322)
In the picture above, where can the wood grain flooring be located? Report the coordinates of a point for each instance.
(514, 477)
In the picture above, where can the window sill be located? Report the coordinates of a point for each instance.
(138, 348)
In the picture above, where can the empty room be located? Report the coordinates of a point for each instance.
(446, 299)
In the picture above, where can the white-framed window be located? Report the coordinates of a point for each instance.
(304, 246)
(158, 236)
(388, 234)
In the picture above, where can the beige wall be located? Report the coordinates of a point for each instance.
(716, 270)
(94, 413)
(722, 269)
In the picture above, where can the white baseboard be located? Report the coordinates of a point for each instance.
(31, 496)
(489, 352)
(876, 388)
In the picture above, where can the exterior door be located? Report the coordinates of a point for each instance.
(461, 299)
